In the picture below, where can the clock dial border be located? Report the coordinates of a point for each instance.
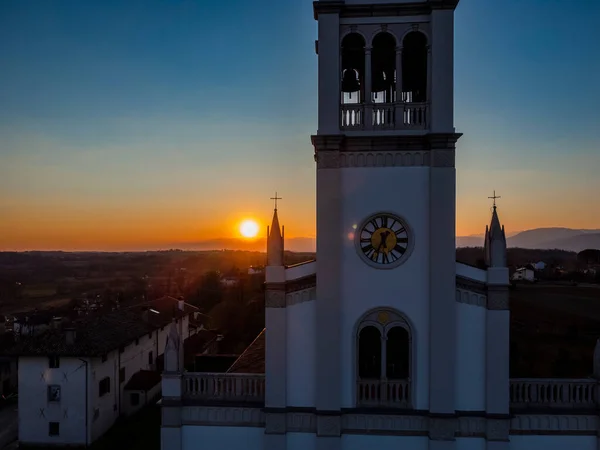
(392, 265)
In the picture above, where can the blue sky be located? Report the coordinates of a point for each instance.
(170, 119)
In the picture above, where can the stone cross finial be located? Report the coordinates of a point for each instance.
(276, 198)
(494, 197)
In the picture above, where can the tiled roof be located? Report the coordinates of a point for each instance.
(213, 363)
(169, 305)
(144, 380)
(94, 336)
(196, 343)
(253, 358)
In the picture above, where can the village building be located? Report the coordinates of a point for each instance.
(523, 274)
(75, 381)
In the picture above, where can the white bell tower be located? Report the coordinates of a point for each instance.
(386, 266)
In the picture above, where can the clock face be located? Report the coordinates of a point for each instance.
(383, 240)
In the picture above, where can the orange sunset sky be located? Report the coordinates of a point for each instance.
(147, 137)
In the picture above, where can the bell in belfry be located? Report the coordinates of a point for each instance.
(381, 81)
(350, 82)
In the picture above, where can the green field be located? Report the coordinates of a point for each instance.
(583, 301)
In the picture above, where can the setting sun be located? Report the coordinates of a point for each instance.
(249, 228)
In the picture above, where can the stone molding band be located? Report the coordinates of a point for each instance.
(432, 150)
(280, 299)
(470, 298)
(475, 424)
(467, 292)
(281, 295)
(493, 298)
(471, 285)
(335, 160)
(378, 10)
(385, 143)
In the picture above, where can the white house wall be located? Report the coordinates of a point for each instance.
(35, 377)
(470, 352)
(406, 288)
(135, 357)
(220, 438)
(300, 351)
(146, 398)
(35, 412)
(106, 413)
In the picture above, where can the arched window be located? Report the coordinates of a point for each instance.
(414, 67)
(397, 353)
(384, 359)
(383, 68)
(353, 68)
(369, 353)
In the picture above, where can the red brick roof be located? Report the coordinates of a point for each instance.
(253, 358)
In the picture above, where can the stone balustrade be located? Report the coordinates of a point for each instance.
(525, 393)
(553, 393)
(390, 394)
(384, 116)
(224, 387)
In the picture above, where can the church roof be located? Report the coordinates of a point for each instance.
(275, 230)
(253, 358)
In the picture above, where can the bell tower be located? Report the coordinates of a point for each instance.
(386, 183)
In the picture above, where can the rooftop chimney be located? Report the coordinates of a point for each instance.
(70, 336)
(180, 304)
(55, 324)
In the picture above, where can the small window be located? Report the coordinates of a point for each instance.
(53, 428)
(135, 399)
(104, 386)
(104, 358)
(150, 358)
(54, 393)
(137, 342)
(122, 374)
(53, 362)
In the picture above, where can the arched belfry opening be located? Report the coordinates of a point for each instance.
(397, 353)
(384, 360)
(369, 353)
(414, 67)
(353, 68)
(383, 68)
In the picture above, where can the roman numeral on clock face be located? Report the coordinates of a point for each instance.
(383, 239)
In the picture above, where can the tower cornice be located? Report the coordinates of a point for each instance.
(431, 150)
(344, 143)
(380, 9)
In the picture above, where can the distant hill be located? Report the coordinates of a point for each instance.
(538, 238)
(543, 238)
(299, 244)
(575, 243)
